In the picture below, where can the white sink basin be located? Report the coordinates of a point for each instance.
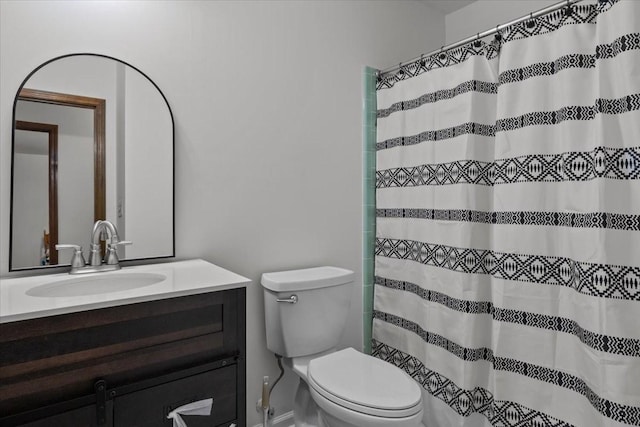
(32, 297)
(94, 285)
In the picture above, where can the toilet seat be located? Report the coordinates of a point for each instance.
(364, 384)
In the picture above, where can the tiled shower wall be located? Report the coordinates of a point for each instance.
(369, 199)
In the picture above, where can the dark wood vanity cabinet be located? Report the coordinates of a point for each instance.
(128, 365)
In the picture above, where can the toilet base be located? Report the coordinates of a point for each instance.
(327, 420)
(305, 410)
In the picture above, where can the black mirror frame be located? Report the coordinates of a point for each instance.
(173, 153)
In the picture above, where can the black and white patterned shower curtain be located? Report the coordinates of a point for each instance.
(508, 224)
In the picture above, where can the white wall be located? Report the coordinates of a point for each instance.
(485, 14)
(267, 103)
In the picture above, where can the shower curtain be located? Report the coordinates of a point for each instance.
(507, 258)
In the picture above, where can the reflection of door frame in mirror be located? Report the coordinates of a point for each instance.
(52, 132)
(98, 107)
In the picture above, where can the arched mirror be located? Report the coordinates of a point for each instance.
(93, 138)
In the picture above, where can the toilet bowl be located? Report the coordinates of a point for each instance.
(305, 314)
(354, 389)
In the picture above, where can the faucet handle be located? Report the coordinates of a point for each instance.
(78, 258)
(111, 257)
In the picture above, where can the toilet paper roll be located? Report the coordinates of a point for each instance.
(201, 407)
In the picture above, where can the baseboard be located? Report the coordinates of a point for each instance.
(284, 420)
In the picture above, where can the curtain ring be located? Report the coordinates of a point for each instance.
(531, 23)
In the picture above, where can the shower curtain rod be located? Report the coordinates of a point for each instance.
(546, 10)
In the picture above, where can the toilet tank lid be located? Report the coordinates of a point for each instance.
(307, 278)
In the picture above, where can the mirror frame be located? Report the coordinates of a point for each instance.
(26, 94)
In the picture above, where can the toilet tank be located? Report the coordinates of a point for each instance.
(314, 323)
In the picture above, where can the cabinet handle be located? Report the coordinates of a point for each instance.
(291, 300)
(100, 388)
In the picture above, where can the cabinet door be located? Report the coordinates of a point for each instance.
(150, 407)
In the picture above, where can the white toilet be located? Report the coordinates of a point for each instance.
(305, 314)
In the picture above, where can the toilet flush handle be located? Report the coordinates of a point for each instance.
(291, 300)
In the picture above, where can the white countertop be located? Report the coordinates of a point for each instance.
(182, 278)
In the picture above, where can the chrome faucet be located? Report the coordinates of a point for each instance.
(102, 230)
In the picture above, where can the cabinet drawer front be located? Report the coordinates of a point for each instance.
(84, 416)
(149, 407)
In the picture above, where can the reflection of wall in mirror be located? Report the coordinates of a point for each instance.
(95, 78)
(31, 172)
(148, 170)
